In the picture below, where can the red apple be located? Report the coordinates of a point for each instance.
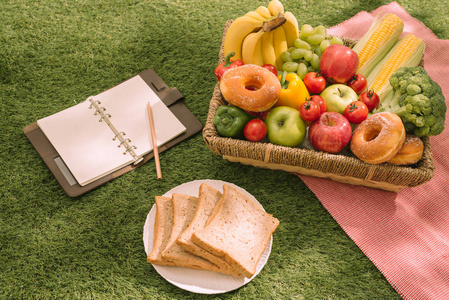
(331, 132)
(339, 63)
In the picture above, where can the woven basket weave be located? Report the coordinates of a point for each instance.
(337, 167)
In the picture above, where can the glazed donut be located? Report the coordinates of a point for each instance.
(410, 153)
(378, 138)
(264, 87)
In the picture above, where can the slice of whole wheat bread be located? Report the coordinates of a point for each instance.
(184, 207)
(163, 224)
(239, 232)
(208, 199)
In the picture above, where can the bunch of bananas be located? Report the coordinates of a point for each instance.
(259, 37)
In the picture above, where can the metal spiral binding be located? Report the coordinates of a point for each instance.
(118, 134)
(125, 142)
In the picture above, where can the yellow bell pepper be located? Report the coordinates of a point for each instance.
(295, 94)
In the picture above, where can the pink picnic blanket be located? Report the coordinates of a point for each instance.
(405, 234)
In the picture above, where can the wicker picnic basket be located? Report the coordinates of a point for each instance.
(338, 167)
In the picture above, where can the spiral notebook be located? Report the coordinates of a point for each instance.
(109, 130)
(109, 134)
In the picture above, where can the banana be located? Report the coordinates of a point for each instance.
(255, 15)
(247, 38)
(275, 7)
(268, 53)
(237, 31)
(264, 12)
(252, 48)
(280, 45)
(291, 28)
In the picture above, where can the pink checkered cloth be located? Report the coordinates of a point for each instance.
(405, 235)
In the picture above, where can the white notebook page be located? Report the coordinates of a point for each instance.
(86, 145)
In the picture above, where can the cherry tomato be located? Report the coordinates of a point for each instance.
(356, 112)
(370, 98)
(255, 130)
(320, 101)
(315, 82)
(357, 83)
(271, 68)
(309, 111)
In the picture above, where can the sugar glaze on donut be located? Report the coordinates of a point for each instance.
(264, 87)
(410, 153)
(378, 138)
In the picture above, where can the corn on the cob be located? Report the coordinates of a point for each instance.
(407, 52)
(378, 40)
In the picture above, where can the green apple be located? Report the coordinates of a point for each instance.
(285, 126)
(338, 96)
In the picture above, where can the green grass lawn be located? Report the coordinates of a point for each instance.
(53, 53)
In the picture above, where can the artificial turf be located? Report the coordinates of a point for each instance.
(53, 53)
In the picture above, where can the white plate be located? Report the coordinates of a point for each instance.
(199, 281)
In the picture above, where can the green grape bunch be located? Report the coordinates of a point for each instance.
(304, 56)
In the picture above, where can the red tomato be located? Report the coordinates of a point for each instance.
(356, 112)
(309, 111)
(271, 68)
(315, 82)
(370, 98)
(255, 130)
(357, 83)
(320, 101)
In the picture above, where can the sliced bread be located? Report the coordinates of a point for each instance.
(184, 207)
(163, 225)
(208, 199)
(239, 232)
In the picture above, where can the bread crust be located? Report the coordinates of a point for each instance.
(183, 207)
(208, 199)
(232, 229)
(162, 230)
(239, 232)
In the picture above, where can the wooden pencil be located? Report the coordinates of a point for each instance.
(155, 149)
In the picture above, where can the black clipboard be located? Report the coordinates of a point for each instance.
(169, 96)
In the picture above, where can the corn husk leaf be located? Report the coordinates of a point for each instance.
(385, 45)
(413, 61)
